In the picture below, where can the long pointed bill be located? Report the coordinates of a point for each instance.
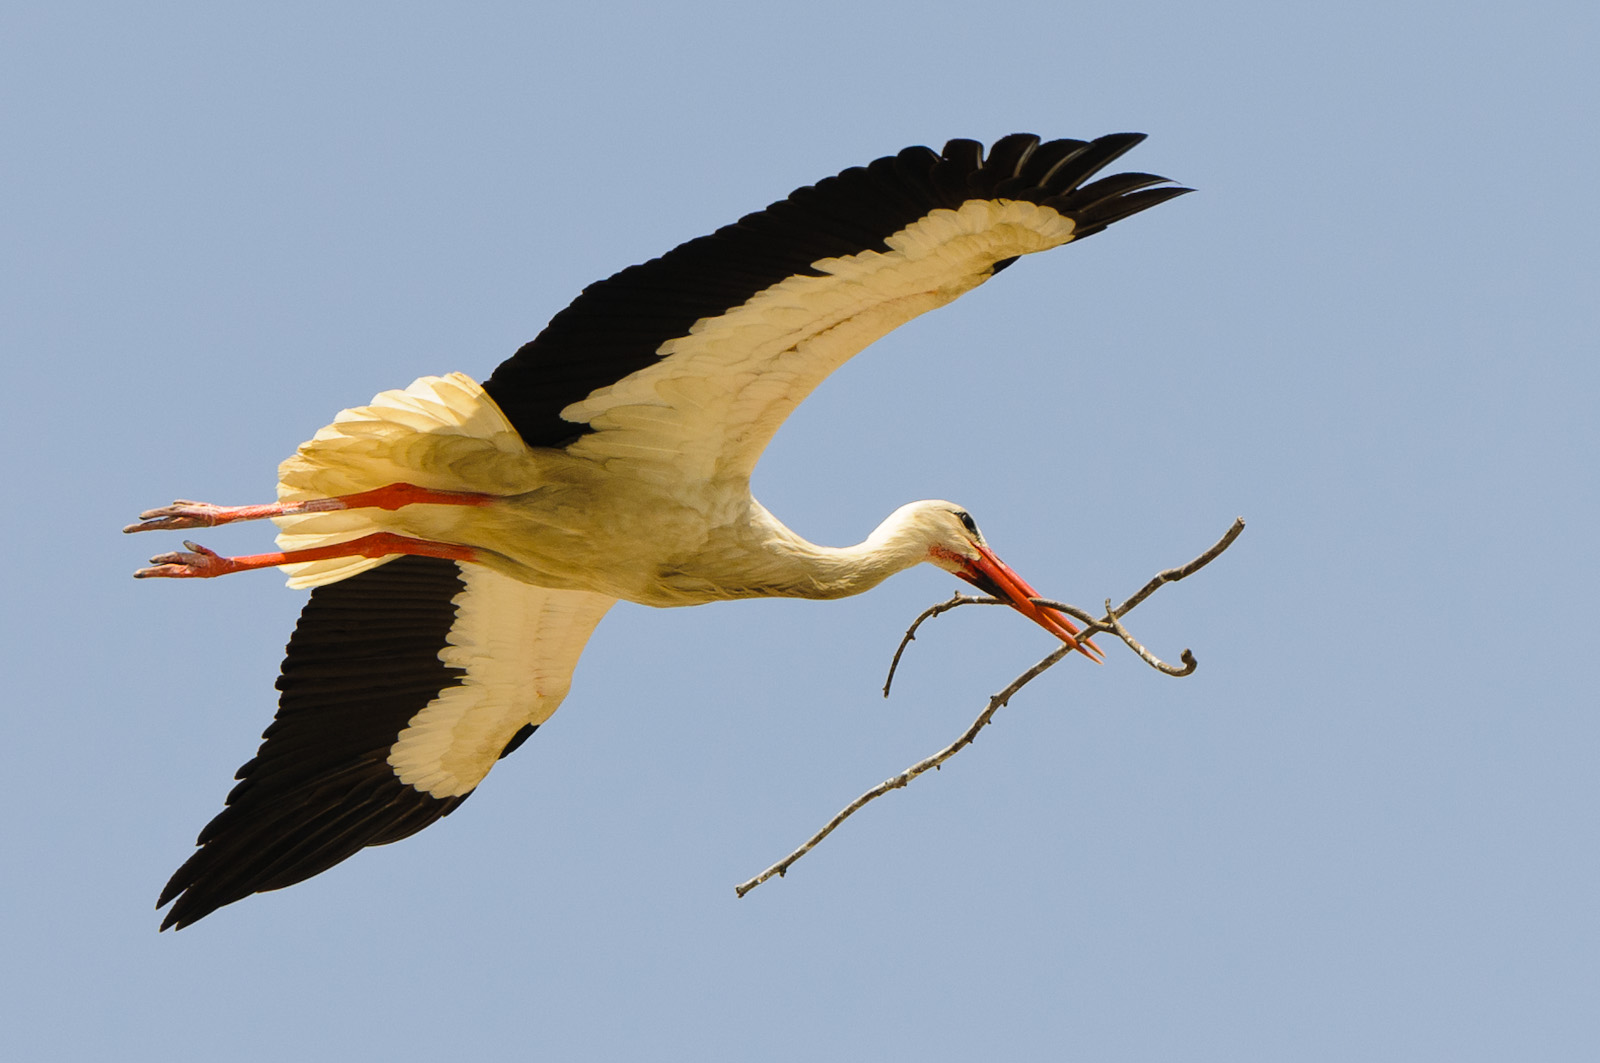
(995, 578)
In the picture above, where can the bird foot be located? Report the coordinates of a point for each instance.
(180, 515)
(196, 562)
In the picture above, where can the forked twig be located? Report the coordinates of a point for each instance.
(1110, 623)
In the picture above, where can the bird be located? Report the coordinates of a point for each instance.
(462, 540)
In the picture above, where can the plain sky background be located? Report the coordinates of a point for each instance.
(1365, 829)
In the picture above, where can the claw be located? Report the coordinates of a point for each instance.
(182, 514)
(196, 562)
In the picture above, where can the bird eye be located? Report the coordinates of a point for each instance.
(966, 521)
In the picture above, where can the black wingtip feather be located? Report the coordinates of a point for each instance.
(1008, 155)
(1111, 211)
(962, 152)
(1093, 157)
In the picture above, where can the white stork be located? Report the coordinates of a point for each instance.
(463, 540)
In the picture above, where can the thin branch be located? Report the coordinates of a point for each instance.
(898, 781)
(1173, 575)
(1189, 663)
(928, 614)
(1110, 623)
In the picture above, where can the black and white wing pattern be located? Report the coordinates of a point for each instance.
(694, 359)
(401, 687)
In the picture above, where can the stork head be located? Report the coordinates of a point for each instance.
(956, 545)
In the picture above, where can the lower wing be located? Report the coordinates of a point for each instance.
(401, 687)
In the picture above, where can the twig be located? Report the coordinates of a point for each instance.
(1173, 575)
(928, 614)
(910, 773)
(1110, 623)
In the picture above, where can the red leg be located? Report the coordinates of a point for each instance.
(186, 514)
(199, 563)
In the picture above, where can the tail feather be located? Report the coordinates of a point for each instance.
(443, 432)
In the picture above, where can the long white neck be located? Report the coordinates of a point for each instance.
(790, 566)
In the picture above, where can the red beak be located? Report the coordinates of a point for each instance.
(994, 577)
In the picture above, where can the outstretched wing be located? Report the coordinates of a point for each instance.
(690, 362)
(401, 687)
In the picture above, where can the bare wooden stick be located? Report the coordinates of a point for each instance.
(1173, 575)
(929, 613)
(1110, 623)
(897, 781)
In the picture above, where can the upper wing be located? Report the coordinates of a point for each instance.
(694, 359)
(401, 687)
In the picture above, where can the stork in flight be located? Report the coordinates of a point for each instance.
(462, 540)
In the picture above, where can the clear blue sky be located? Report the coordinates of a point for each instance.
(1364, 830)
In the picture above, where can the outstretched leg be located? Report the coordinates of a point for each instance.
(199, 563)
(186, 514)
